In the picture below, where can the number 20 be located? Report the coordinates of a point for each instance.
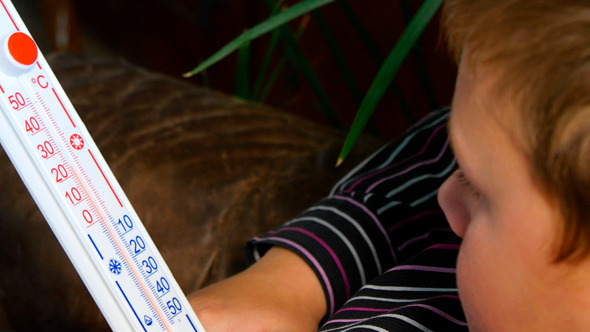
(60, 173)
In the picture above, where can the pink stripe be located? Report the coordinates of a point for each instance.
(425, 306)
(365, 309)
(329, 250)
(429, 307)
(421, 237)
(445, 246)
(345, 321)
(312, 259)
(418, 216)
(440, 313)
(424, 268)
(375, 220)
(414, 166)
(398, 163)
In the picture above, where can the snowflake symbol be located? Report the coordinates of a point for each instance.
(115, 266)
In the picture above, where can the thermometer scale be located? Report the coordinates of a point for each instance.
(79, 196)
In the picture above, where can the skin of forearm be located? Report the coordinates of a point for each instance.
(280, 292)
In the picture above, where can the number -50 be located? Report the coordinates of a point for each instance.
(174, 306)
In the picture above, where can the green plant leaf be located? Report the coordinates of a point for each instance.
(260, 29)
(255, 95)
(280, 65)
(274, 39)
(387, 72)
(294, 51)
(338, 56)
(420, 61)
(272, 79)
(306, 68)
(243, 72)
(373, 51)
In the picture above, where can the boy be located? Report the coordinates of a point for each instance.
(373, 255)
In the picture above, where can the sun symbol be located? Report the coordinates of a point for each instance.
(115, 266)
(76, 141)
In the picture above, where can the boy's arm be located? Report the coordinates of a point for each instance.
(278, 293)
(378, 216)
(382, 213)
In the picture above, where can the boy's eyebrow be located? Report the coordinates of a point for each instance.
(452, 139)
(458, 153)
(449, 134)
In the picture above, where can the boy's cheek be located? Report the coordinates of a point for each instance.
(469, 283)
(483, 283)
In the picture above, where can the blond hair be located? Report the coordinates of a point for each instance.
(541, 52)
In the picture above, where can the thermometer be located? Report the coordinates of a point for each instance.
(78, 194)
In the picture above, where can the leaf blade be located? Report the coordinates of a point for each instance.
(258, 30)
(387, 72)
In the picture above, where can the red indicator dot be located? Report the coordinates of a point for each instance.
(77, 141)
(22, 48)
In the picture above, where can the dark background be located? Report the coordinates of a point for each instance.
(173, 36)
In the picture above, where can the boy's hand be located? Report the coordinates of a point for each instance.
(278, 293)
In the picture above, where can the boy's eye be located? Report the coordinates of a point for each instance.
(464, 182)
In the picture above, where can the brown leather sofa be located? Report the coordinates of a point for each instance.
(205, 171)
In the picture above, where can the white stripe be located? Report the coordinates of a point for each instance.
(424, 198)
(360, 230)
(397, 316)
(367, 197)
(344, 239)
(357, 325)
(349, 177)
(404, 186)
(388, 206)
(256, 254)
(410, 289)
(406, 141)
(348, 327)
(340, 184)
(384, 299)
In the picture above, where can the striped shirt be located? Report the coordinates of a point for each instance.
(379, 242)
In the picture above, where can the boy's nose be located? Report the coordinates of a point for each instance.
(453, 201)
